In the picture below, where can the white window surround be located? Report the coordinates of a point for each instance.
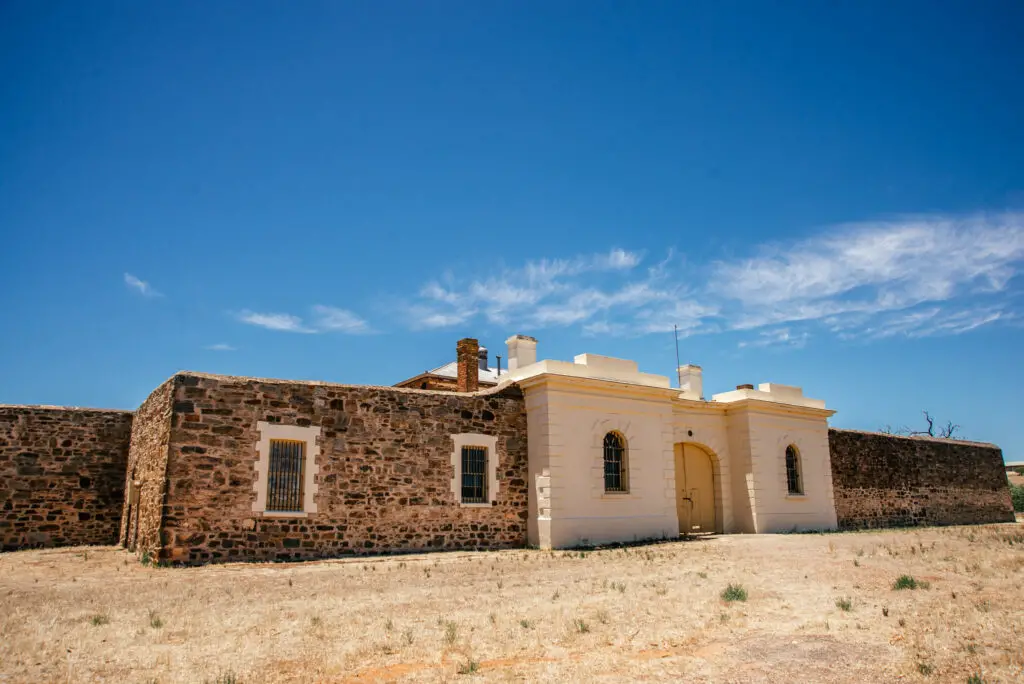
(489, 442)
(271, 431)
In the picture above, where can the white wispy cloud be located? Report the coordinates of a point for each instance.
(914, 276)
(324, 319)
(775, 338)
(140, 286)
(221, 346)
(274, 321)
(338, 320)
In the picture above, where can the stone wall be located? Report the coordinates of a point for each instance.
(385, 470)
(61, 475)
(889, 481)
(142, 510)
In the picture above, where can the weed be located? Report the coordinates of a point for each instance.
(451, 632)
(526, 624)
(389, 625)
(145, 558)
(100, 619)
(844, 604)
(885, 611)
(975, 678)
(554, 597)
(908, 582)
(602, 617)
(155, 621)
(493, 618)
(407, 637)
(723, 617)
(734, 592)
(227, 678)
(619, 587)
(500, 584)
(581, 626)
(469, 667)
(702, 575)
(925, 669)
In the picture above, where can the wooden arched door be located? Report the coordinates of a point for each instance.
(695, 489)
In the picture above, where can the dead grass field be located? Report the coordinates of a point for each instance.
(650, 613)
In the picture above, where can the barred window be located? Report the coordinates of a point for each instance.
(793, 471)
(474, 474)
(285, 476)
(615, 479)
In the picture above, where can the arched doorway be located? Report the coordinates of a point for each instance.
(695, 489)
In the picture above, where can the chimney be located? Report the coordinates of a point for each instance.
(467, 353)
(691, 381)
(522, 351)
(482, 355)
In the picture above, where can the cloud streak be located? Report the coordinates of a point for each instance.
(323, 319)
(140, 286)
(914, 276)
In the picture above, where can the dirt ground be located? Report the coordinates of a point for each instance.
(651, 613)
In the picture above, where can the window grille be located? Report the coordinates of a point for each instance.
(614, 463)
(284, 477)
(474, 474)
(793, 471)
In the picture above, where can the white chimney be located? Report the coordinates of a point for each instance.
(691, 382)
(522, 351)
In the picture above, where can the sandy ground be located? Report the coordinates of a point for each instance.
(649, 613)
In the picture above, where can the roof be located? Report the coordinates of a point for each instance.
(451, 370)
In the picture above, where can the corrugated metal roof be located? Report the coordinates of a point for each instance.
(451, 370)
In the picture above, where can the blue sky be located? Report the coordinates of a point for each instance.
(822, 194)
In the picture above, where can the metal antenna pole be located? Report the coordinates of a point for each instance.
(679, 379)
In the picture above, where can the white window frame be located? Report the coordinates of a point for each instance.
(310, 469)
(488, 442)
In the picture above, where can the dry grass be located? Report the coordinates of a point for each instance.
(652, 612)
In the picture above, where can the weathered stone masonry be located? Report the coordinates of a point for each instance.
(61, 475)
(890, 481)
(385, 469)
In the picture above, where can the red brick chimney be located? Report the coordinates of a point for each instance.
(468, 354)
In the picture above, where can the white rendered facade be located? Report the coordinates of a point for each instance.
(572, 406)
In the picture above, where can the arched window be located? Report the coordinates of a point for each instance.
(793, 471)
(615, 472)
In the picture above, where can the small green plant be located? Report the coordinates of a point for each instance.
(602, 617)
(702, 575)
(581, 626)
(227, 678)
(526, 624)
(316, 621)
(155, 621)
(407, 637)
(925, 669)
(554, 597)
(145, 559)
(844, 604)
(100, 619)
(856, 563)
(975, 678)
(469, 667)
(619, 587)
(1017, 496)
(734, 592)
(389, 625)
(908, 582)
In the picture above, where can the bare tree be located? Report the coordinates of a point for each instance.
(945, 431)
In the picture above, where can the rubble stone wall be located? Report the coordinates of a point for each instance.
(61, 475)
(385, 474)
(884, 480)
(142, 513)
